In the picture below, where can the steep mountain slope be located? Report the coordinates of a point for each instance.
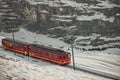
(78, 17)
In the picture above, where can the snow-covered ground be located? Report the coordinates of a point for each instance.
(20, 68)
(95, 60)
(108, 63)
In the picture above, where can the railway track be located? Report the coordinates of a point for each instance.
(95, 72)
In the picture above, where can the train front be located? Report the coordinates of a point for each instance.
(66, 59)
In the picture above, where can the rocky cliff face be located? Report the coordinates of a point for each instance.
(78, 17)
(10, 15)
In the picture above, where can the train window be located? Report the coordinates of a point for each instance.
(4, 42)
(7, 43)
(31, 50)
(36, 51)
(41, 52)
(60, 57)
(19, 46)
(46, 53)
(64, 57)
(53, 55)
(10, 44)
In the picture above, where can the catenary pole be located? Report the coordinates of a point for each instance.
(13, 40)
(73, 56)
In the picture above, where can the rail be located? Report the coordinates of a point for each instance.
(95, 72)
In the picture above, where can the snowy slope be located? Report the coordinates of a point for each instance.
(37, 39)
(24, 69)
(96, 60)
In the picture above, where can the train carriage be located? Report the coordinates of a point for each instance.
(49, 54)
(17, 46)
(38, 51)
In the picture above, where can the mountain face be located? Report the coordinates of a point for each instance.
(62, 18)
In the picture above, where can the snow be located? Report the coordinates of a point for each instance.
(107, 61)
(36, 3)
(44, 11)
(1, 13)
(102, 4)
(117, 14)
(18, 68)
(61, 20)
(107, 39)
(1, 40)
(33, 38)
(64, 16)
(96, 16)
(63, 28)
(94, 36)
(74, 4)
(106, 4)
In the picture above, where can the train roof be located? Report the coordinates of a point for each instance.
(37, 46)
(48, 48)
(17, 41)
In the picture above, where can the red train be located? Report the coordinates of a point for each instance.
(38, 51)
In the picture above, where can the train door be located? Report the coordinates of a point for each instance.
(53, 56)
(60, 58)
